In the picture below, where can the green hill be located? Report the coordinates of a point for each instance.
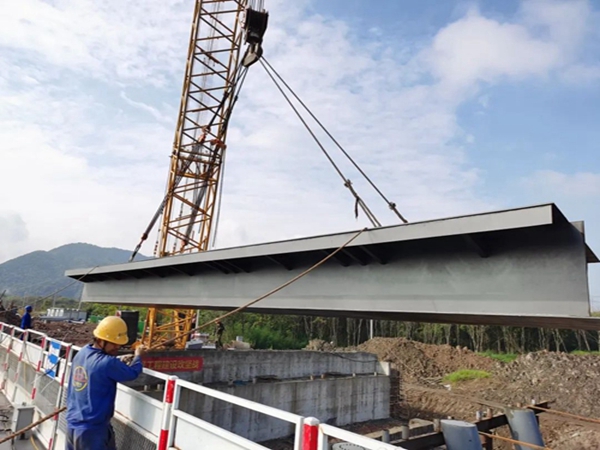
(41, 273)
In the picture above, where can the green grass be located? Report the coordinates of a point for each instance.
(503, 357)
(584, 352)
(465, 375)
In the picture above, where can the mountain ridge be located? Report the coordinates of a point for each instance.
(41, 273)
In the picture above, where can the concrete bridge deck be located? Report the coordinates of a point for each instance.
(520, 267)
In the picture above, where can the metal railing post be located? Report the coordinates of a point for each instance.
(67, 360)
(6, 359)
(163, 439)
(36, 381)
(323, 441)
(173, 419)
(310, 434)
(299, 430)
(24, 338)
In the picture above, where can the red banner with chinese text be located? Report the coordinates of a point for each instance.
(173, 364)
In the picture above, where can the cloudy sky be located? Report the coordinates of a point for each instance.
(452, 107)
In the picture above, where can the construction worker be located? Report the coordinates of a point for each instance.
(220, 328)
(26, 319)
(93, 386)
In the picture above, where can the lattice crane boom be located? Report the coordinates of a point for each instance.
(214, 73)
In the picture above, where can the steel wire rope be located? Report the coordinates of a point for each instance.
(220, 194)
(33, 425)
(268, 294)
(67, 286)
(514, 441)
(28, 286)
(566, 414)
(347, 183)
(213, 239)
(187, 164)
(390, 204)
(200, 191)
(63, 288)
(240, 77)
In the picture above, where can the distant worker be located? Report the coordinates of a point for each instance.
(93, 386)
(219, 333)
(26, 319)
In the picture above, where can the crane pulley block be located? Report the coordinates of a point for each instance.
(255, 26)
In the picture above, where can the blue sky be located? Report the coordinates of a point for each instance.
(453, 107)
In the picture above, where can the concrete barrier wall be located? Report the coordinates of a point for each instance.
(337, 401)
(224, 366)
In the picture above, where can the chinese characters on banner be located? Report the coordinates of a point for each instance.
(173, 364)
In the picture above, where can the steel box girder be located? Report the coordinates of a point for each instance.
(525, 267)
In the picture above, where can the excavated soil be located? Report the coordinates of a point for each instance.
(424, 363)
(76, 333)
(570, 382)
(10, 317)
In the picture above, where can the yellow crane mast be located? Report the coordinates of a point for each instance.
(214, 74)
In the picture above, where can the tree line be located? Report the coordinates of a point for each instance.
(294, 332)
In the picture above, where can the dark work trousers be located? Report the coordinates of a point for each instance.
(91, 439)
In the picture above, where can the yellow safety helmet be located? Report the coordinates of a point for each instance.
(112, 329)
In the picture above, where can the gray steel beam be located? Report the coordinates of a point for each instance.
(525, 267)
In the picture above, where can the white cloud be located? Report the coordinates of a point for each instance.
(557, 184)
(89, 92)
(13, 231)
(111, 40)
(478, 49)
(582, 74)
(149, 109)
(562, 22)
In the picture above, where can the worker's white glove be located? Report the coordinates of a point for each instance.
(127, 359)
(141, 350)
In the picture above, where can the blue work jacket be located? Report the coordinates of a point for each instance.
(93, 387)
(26, 321)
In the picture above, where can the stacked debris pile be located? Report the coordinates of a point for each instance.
(320, 345)
(572, 380)
(422, 363)
(76, 333)
(10, 317)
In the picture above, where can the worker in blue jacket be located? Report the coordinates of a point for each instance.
(26, 319)
(93, 386)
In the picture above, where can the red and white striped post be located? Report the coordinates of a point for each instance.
(5, 363)
(310, 434)
(61, 388)
(163, 438)
(38, 369)
(24, 339)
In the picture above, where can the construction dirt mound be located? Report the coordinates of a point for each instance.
(570, 382)
(11, 317)
(420, 362)
(573, 381)
(76, 333)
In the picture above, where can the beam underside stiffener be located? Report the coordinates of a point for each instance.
(198, 150)
(534, 276)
